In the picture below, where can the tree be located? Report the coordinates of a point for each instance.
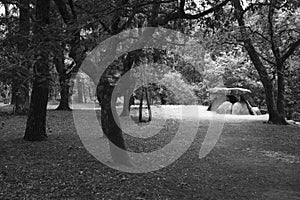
(181, 92)
(15, 26)
(109, 124)
(36, 121)
(64, 67)
(20, 86)
(237, 70)
(292, 91)
(73, 46)
(280, 40)
(127, 65)
(114, 18)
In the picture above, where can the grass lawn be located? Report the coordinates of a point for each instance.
(252, 160)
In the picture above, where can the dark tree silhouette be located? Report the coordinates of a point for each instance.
(36, 122)
(20, 87)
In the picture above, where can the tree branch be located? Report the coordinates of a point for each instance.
(253, 5)
(71, 4)
(182, 15)
(106, 28)
(253, 54)
(291, 50)
(258, 33)
(63, 9)
(274, 47)
(182, 5)
(266, 59)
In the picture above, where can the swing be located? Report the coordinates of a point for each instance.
(146, 94)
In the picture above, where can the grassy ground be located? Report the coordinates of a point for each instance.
(252, 160)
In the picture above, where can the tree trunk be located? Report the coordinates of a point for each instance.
(148, 104)
(129, 84)
(64, 95)
(110, 123)
(128, 100)
(79, 91)
(36, 121)
(64, 80)
(13, 93)
(280, 91)
(141, 106)
(144, 92)
(163, 100)
(274, 116)
(131, 101)
(126, 104)
(21, 98)
(68, 13)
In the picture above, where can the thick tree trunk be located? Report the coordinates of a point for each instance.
(280, 91)
(274, 116)
(36, 121)
(110, 123)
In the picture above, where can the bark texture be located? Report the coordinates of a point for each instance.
(36, 121)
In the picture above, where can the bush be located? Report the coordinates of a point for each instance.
(177, 91)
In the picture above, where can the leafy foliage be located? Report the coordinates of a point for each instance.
(179, 92)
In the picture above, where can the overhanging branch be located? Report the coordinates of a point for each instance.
(182, 15)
